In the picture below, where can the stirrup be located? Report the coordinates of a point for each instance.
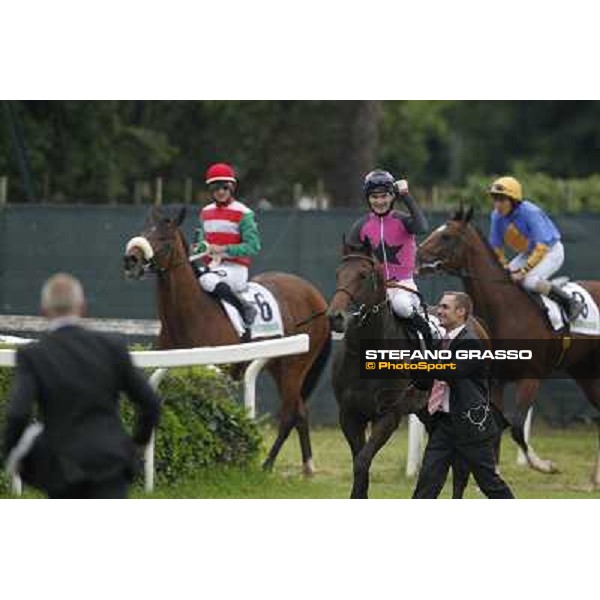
(574, 308)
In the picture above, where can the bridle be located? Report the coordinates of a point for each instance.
(364, 311)
(152, 265)
(441, 264)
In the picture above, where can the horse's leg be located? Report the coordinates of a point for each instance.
(526, 392)
(304, 437)
(354, 431)
(288, 378)
(286, 424)
(381, 431)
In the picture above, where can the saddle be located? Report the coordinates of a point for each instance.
(588, 321)
(267, 323)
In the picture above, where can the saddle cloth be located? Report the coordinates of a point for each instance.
(588, 321)
(267, 323)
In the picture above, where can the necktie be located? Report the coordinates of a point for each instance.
(439, 389)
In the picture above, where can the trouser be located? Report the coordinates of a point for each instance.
(549, 265)
(233, 274)
(111, 488)
(441, 452)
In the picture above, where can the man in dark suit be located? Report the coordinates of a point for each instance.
(459, 406)
(75, 376)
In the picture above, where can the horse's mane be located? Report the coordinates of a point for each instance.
(493, 257)
(183, 241)
(486, 245)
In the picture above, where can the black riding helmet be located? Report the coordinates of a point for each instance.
(379, 181)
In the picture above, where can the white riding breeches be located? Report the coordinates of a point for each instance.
(551, 263)
(403, 302)
(234, 274)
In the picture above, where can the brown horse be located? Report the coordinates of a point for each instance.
(380, 403)
(457, 248)
(190, 317)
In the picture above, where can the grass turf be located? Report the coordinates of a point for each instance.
(573, 450)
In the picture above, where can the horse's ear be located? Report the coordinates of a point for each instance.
(155, 213)
(345, 247)
(179, 218)
(460, 213)
(469, 215)
(366, 247)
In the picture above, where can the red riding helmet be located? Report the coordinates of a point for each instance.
(220, 172)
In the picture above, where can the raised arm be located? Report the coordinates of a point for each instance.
(416, 221)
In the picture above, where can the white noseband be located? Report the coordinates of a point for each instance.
(143, 244)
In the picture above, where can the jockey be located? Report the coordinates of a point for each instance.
(229, 236)
(527, 229)
(392, 235)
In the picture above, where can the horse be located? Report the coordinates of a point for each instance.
(190, 317)
(380, 403)
(458, 248)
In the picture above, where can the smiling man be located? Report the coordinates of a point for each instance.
(462, 425)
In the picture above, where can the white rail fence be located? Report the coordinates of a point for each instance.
(256, 353)
(141, 327)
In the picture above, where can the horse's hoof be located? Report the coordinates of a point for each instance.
(267, 467)
(308, 468)
(595, 483)
(545, 466)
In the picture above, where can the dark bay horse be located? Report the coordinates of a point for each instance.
(458, 248)
(190, 317)
(380, 403)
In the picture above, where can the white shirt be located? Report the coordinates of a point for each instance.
(59, 322)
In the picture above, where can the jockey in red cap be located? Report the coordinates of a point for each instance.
(229, 236)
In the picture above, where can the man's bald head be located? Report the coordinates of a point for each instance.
(62, 295)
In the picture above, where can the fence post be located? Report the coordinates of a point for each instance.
(158, 197)
(416, 436)
(155, 380)
(250, 376)
(3, 190)
(188, 190)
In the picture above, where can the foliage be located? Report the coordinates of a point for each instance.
(202, 425)
(98, 151)
(553, 194)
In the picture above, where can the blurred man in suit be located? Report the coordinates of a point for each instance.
(459, 404)
(74, 376)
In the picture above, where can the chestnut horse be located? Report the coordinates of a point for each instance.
(458, 248)
(378, 402)
(190, 317)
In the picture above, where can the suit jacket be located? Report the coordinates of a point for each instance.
(469, 391)
(75, 376)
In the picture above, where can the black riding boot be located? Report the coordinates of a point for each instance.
(248, 312)
(419, 323)
(571, 305)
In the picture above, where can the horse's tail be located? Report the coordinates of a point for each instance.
(312, 377)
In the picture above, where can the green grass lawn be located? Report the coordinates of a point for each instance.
(573, 451)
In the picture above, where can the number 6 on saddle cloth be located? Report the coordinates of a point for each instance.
(267, 323)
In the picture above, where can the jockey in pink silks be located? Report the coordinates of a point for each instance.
(392, 235)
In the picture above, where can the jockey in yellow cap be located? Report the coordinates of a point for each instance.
(528, 230)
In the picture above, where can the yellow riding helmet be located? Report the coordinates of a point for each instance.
(507, 186)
